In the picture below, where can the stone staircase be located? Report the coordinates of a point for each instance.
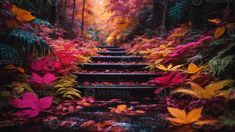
(102, 77)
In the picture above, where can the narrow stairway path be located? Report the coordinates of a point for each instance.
(113, 71)
(124, 100)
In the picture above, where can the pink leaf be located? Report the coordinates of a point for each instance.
(31, 105)
(45, 103)
(36, 78)
(47, 79)
(26, 113)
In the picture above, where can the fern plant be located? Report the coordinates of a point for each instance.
(8, 54)
(177, 12)
(29, 43)
(16, 43)
(65, 87)
(224, 59)
(41, 22)
(219, 65)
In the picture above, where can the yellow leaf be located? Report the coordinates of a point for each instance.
(193, 68)
(206, 122)
(181, 118)
(213, 87)
(21, 14)
(215, 20)
(121, 107)
(219, 31)
(168, 68)
(212, 90)
(161, 67)
(194, 115)
(198, 89)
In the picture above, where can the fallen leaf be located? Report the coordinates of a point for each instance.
(21, 14)
(168, 68)
(181, 118)
(219, 31)
(210, 91)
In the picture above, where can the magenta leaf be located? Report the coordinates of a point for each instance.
(30, 104)
(170, 80)
(29, 113)
(45, 103)
(47, 79)
(182, 52)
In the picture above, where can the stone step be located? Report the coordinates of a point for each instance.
(115, 77)
(104, 46)
(117, 58)
(115, 49)
(101, 66)
(114, 53)
(105, 92)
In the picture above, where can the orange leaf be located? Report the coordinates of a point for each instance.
(219, 31)
(193, 69)
(121, 107)
(20, 69)
(194, 115)
(215, 20)
(181, 118)
(177, 113)
(21, 14)
(168, 68)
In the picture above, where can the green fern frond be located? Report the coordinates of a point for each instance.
(177, 12)
(8, 55)
(41, 22)
(29, 43)
(219, 65)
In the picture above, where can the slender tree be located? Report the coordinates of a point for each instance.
(74, 10)
(164, 13)
(156, 13)
(83, 15)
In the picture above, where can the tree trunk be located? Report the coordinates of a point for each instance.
(157, 15)
(232, 9)
(74, 9)
(164, 13)
(197, 16)
(83, 15)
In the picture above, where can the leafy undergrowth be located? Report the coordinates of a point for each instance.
(198, 73)
(42, 72)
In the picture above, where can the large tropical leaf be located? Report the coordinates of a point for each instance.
(29, 43)
(8, 55)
